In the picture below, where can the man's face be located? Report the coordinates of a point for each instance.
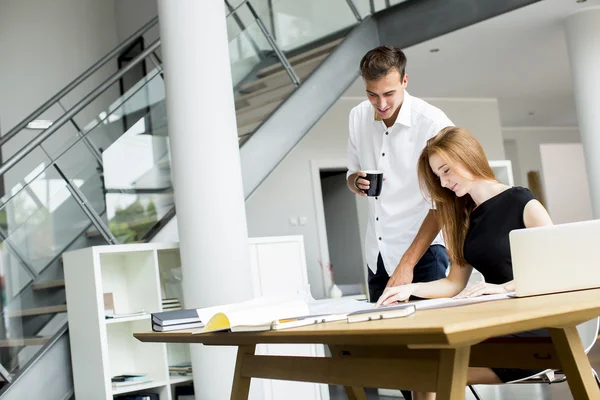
(386, 94)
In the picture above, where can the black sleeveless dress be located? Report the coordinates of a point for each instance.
(487, 249)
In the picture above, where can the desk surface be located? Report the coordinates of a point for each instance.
(439, 327)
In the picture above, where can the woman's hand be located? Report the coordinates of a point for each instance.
(480, 289)
(395, 294)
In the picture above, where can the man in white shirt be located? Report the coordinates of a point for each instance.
(387, 133)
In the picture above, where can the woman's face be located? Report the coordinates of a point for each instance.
(453, 176)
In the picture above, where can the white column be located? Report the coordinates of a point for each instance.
(583, 41)
(206, 172)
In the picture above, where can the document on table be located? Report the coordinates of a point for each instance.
(453, 302)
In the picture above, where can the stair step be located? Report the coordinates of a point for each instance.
(38, 311)
(262, 95)
(48, 285)
(20, 342)
(302, 69)
(251, 107)
(327, 47)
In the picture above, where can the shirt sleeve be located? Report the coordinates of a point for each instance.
(352, 152)
(439, 124)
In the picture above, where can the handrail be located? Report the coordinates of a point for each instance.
(99, 64)
(29, 147)
(21, 125)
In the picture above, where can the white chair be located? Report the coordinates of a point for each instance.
(588, 332)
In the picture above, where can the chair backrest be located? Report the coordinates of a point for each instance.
(588, 332)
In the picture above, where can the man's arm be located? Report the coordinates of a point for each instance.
(403, 274)
(354, 172)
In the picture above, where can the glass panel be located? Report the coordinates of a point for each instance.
(301, 22)
(139, 97)
(54, 220)
(131, 187)
(247, 49)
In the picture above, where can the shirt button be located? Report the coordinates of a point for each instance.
(376, 198)
(379, 238)
(377, 219)
(383, 154)
(387, 133)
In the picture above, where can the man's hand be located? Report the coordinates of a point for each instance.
(356, 184)
(403, 275)
(479, 289)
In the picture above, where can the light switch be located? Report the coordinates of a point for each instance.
(302, 220)
(294, 221)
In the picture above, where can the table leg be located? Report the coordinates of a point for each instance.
(241, 384)
(353, 392)
(575, 363)
(452, 373)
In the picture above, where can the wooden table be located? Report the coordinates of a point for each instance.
(427, 351)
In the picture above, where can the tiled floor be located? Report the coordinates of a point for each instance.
(501, 392)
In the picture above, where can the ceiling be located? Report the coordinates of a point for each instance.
(520, 58)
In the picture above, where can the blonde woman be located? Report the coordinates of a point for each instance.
(476, 213)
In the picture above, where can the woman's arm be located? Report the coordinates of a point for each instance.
(447, 287)
(535, 215)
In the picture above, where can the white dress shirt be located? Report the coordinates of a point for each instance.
(396, 215)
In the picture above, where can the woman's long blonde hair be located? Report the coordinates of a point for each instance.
(455, 146)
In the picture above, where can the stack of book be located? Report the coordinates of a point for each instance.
(171, 304)
(129, 379)
(176, 320)
(139, 396)
(184, 369)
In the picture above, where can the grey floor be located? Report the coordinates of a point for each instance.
(501, 392)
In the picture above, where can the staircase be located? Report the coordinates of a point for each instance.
(100, 174)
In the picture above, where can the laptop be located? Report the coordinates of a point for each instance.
(557, 258)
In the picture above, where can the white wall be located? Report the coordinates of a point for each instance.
(481, 117)
(566, 182)
(528, 141)
(343, 233)
(130, 15)
(44, 46)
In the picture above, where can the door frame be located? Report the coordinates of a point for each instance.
(316, 166)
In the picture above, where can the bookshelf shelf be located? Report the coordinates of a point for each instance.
(102, 348)
(127, 319)
(179, 379)
(138, 387)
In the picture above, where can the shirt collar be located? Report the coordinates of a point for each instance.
(404, 116)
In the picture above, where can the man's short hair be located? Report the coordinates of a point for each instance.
(380, 61)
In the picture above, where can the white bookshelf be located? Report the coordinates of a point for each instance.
(503, 171)
(139, 276)
(102, 348)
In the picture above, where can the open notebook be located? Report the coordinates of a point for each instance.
(274, 313)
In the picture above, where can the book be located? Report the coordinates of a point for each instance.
(146, 396)
(293, 322)
(374, 314)
(253, 315)
(181, 369)
(129, 379)
(177, 327)
(446, 302)
(166, 318)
